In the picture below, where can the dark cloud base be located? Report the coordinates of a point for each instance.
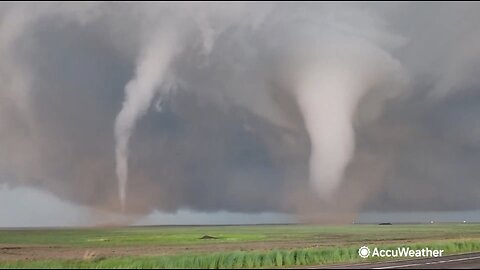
(418, 154)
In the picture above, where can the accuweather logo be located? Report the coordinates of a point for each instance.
(365, 252)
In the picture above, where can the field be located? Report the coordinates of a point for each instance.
(224, 246)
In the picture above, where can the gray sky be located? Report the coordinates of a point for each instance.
(29, 207)
(318, 111)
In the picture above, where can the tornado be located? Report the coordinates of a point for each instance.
(327, 93)
(327, 108)
(151, 67)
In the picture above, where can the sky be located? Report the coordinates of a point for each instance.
(158, 113)
(44, 210)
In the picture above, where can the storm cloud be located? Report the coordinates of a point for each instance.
(217, 122)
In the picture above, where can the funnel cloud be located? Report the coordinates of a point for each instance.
(139, 93)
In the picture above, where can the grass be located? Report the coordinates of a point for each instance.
(238, 259)
(137, 236)
(190, 235)
(329, 244)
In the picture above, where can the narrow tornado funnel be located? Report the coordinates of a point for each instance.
(139, 93)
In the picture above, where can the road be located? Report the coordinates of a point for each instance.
(462, 261)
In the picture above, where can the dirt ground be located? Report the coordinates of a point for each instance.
(39, 252)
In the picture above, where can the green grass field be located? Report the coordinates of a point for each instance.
(239, 246)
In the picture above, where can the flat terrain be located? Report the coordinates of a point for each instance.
(265, 245)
